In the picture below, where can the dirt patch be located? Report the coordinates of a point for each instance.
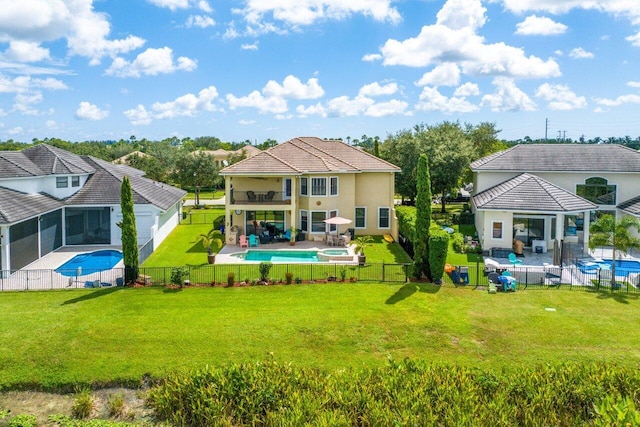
(42, 405)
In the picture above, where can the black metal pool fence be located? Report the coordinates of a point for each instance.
(473, 277)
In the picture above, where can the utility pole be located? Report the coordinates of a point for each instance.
(546, 129)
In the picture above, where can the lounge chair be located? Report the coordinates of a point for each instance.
(253, 240)
(243, 241)
(513, 260)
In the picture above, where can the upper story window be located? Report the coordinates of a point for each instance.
(75, 181)
(333, 186)
(62, 182)
(318, 186)
(597, 190)
(304, 186)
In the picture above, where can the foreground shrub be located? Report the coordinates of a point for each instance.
(83, 404)
(400, 393)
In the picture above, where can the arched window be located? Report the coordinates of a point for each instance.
(597, 190)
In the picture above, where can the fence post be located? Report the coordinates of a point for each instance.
(383, 270)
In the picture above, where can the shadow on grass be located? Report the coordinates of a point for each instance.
(621, 295)
(97, 294)
(197, 248)
(171, 290)
(411, 288)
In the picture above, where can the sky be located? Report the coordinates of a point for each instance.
(276, 69)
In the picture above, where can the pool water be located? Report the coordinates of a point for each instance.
(91, 262)
(623, 266)
(288, 256)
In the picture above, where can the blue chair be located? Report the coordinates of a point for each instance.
(253, 240)
(506, 273)
(513, 260)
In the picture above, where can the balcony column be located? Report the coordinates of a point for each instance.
(227, 207)
(294, 202)
(585, 234)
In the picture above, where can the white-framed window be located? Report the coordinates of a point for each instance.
(75, 181)
(384, 220)
(304, 221)
(318, 186)
(360, 215)
(497, 228)
(332, 227)
(333, 186)
(62, 182)
(286, 184)
(317, 221)
(304, 186)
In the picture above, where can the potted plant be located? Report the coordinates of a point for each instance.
(212, 238)
(292, 235)
(360, 244)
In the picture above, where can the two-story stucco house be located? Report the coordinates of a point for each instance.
(51, 198)
(302, 182)
(537, 193)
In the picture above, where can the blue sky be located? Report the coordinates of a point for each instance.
(258, 69)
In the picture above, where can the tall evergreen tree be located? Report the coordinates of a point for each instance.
(423, 219)
(129, 232)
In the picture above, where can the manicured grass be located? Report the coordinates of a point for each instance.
(69, 337)
(205, 195)
(181, 247)
(380, 251)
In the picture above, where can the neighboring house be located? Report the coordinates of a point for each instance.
(222, 157)
(537, 193)
(126, 159)
(306, 180)
(51, 198)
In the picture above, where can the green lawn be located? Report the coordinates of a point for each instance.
(181, 247)
(69, 337)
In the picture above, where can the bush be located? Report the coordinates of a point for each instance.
(83, 405)
(178, 275)
(23, 420)
(288, 277)
(466, 218)
(438, 247)
(115, 405)
(265, 268)
(231, 278)
(458, 243)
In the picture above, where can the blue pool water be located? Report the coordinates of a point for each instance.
(91, 262)
(287, 256)
(623, 266)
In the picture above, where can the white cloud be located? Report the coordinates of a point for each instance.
(467, 89)
(540, 26)
(253, 46)
(449, 41)
(311, 110)
(560, 97)
(88, 111)
(388, 108)
(25, 51)
(51, 124)
(370, 57)
(246, 122)
(18, 130)
(633, 84)
(25, 102)
(374, 89)
(307, 12)
(432, 100)
(634, 40)
(508, 97)
(200, 21)
(626, 8)
(621, 100)
(150, 62)
(256, 100)
(38, 21)
(171, 4)
(188, 105)
(343, 106)
(204, 6)
(23, 84)
(580, 53)
(447, 74)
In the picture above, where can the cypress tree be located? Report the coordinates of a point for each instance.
(129, 232)
(423, 219)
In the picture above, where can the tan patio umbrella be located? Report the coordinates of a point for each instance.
(337, 220)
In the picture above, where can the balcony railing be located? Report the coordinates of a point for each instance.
(258, 197)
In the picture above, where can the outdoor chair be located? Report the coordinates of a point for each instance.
(253, 240)
(329, 240)
(251, 196)
(513, 260)
(494, 279)
(269, 196)
(243, 241)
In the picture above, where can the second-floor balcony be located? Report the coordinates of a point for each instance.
(258, 197)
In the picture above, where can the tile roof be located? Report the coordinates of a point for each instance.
(631, 206)
(14, 164)
(52, 160)
(527, 192)
(18, 206)
(103, 187)
(562, 157)
(309, 155)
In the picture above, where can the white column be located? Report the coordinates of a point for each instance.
(585, 235)
(227, 207)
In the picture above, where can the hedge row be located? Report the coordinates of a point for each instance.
(400, 393)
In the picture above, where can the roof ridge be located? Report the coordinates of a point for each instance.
(97, 162)
(279, 159)
(324, 152)
(484, 160)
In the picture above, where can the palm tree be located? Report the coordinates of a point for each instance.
(606, 231)
(212, 238)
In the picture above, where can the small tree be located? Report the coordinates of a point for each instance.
(129, 232)
(423, 220)
(213, 238)
(606, 231)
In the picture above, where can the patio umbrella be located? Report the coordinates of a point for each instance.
(556, 252)
(337, 220)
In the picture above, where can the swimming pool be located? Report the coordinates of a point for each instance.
(91, 262)
(623, 266)
(292, 256)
